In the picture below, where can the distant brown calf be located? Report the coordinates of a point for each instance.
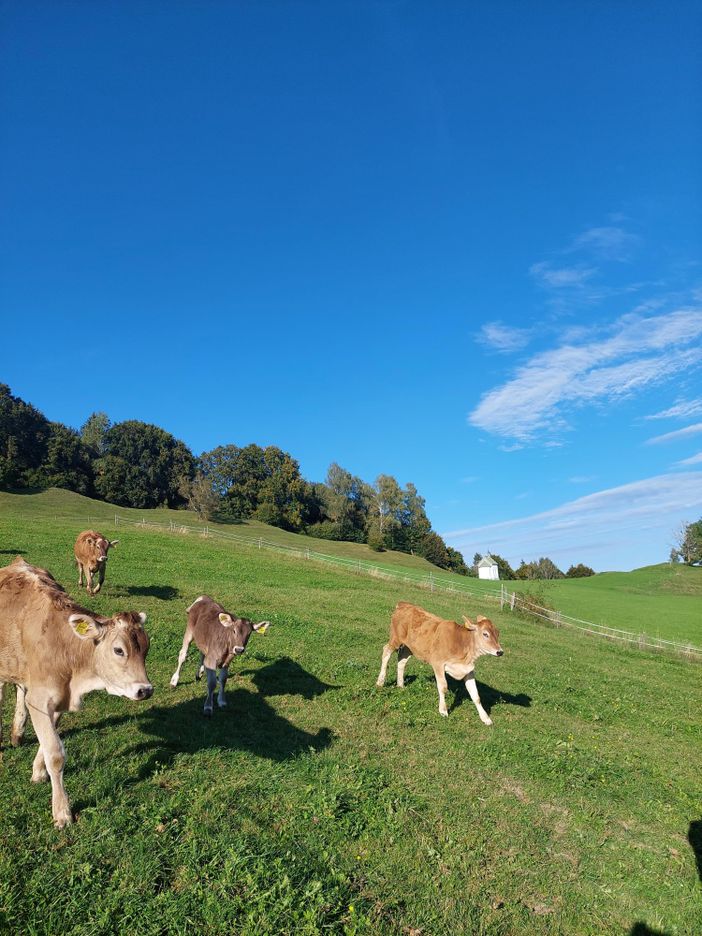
(445, 645)
(91, 556)
(219, 636)
(55, 652)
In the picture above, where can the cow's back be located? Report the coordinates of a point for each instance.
(32, 611)
(426, 635)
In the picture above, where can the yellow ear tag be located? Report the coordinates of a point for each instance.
(262, 630)
(82, 627)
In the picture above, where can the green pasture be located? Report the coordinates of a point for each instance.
(317, 803)
(661, 601)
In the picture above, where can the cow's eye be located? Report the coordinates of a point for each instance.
(485, 634)
(119, 651)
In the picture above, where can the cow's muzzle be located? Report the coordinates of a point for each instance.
(144, 692)
(499, 653)
(239, 650)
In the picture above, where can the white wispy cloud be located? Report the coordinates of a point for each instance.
(560, 277)
(612, 243)
(581, 529)
(677, 434)
(683, 409)
(503, 338)
(692, 460)
(636, 352)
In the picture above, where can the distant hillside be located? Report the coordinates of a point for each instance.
(640, 600)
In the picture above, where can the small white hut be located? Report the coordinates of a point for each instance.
(487, 568)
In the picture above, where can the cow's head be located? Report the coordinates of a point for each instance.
(121, 645)
(101, 546)
(487, 640)
(241, 630)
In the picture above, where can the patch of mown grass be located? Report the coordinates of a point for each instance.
(317, 803)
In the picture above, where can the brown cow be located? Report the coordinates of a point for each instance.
(55, 651)
(445, 645)
(219, 636)
(91, 556)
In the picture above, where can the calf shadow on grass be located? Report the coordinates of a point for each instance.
(488, 696)
(13, 552)
(641, 929)
(248, 723)
(694, 837)
(162, 592)
(286, 677)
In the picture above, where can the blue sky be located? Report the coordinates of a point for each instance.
(457, 243)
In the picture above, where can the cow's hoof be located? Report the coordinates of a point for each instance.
(63, 819)
(443, 714)
(221, 704)
(16, 740)
(40, 776)
(174, 681)
(486, 721)
(207, 712)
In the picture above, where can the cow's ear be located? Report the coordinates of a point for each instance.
(468, 624)
(85, 627)
(142, 617)
(225, 620)
(262, 627)
(113, 543)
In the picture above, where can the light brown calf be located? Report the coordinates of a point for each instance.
(54, 652)
(447, 646)
(219, 636)
(91, 550)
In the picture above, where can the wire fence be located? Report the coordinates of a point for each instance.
(431, 581)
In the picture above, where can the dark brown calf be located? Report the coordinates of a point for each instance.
(219, 636)
(91, 550)
(447, 646)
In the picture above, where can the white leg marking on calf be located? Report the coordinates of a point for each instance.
(440, 677)
(387, 653)
(187, 639)
(473, 693)
(403, 656)
(20, 719)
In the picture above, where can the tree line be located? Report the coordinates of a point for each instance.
(543, 568)
(136, 464)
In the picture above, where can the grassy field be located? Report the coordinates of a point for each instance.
(317, 803)
(661, 601)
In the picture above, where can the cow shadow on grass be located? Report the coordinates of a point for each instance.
(488, 696)
(162, 592)
(694, 837)
(286, 677)
(248, 723)
(642, 929)
(13, 552)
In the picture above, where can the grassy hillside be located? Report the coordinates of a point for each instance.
(319, 803)
(662, 600)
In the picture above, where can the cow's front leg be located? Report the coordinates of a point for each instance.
(223, 674)
(52, 757)
(100, 578)
(211, 686)
(472, 688)
(440, 677)
(80, 574)
(20, 719)
(89, 580)
(200, 671)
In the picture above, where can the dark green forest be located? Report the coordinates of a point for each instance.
(136, 464)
